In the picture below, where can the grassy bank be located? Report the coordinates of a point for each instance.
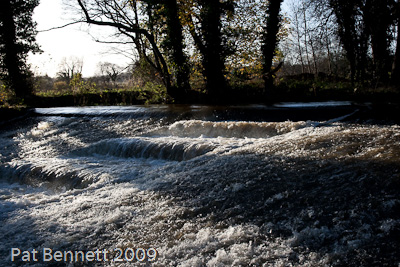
(298, 88)
(291, 88)
(91, 99)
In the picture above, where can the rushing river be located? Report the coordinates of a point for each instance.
(202, 186)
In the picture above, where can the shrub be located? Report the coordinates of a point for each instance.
(6, 95)
(60, 86)
(78, 85)
(153, 93)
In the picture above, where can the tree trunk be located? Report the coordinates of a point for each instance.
(345, 17)
(12, 63)
(270, 41)
(329, 55)
(378, 20)
(213, 52)
(314, 56)
(175, 45)
(299, 44)
(305, 40)
(160, 64)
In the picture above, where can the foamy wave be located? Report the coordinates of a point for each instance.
(159, 148)
(229, 129)
(57, 174)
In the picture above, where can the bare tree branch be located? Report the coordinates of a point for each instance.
(63, 26)
(114, 24)
(130, 28)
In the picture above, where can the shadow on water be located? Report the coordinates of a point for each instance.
(10, 231)
(14, 236)
(348, 209)
(17, 216)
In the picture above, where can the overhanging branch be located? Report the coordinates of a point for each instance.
(133, 28)
(114, 24)
(63, 26)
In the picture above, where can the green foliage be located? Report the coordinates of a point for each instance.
(144, 73)
(61, 86)
(152, 93)
(78, 85)
(244, 30)
(3, 95)
(82, 91)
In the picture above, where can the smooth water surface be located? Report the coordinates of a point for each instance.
(205, 186)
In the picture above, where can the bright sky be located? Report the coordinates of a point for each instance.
(72, 41)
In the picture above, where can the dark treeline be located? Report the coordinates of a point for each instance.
(214, 48)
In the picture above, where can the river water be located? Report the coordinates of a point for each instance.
(204, 186)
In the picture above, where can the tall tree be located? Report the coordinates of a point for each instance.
(205, 26)
(147, 24)
(69, 67)
(212, 50)
(243, 30)
(111, 71)
(270, 41)
(364, 25)
(125, 18)
(175, 46)
(378, 19)
(17, 39)
(352, 33)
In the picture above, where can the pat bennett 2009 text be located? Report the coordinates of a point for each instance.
(116, 255)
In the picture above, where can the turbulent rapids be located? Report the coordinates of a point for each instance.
(203, 186)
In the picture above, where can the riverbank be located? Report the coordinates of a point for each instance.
(238, 96)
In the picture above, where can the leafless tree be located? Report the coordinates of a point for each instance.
(111, 71)
(69, 67)
(129, 18)
(314, 41)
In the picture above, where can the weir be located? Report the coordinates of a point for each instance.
(203, 185)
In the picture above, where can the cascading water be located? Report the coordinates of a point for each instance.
(201, 185)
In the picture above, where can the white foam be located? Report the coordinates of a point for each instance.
(228, 129)
(162, 148)
(65, 184)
